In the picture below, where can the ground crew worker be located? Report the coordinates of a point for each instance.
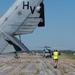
(55, 54)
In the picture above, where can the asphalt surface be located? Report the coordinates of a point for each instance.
(35, 65)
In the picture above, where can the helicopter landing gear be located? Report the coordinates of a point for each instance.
(16, 55)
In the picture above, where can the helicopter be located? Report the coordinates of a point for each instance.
(47, 52)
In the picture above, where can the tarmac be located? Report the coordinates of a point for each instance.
(35, 65)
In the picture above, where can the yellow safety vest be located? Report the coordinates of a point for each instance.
(55, 55)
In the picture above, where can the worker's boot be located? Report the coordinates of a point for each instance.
(55, 66)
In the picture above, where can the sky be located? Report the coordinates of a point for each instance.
(59, 30)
